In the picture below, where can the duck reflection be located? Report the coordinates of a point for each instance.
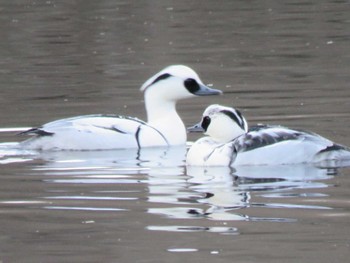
(159, 177)
(220, 191)
(147, 157)
(223, 193)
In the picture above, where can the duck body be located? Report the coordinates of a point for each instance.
(208, 152)
(260, 145)
(94, 132)
(275, 145)
(105, 132)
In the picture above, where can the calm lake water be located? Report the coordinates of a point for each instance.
(280, 62)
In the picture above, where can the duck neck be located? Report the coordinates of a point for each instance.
(162, 116)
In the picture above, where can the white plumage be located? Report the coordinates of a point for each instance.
(164, 127)
(230, 143)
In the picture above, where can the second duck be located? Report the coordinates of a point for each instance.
(231, 143)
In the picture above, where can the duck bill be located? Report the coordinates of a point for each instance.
(195, 128)
(206, 91)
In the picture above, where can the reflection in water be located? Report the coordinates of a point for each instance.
(9, 153)
(222, 193)
(110, 181)
(146, 157)
(284, 62)
(224, 230)
(115, 181)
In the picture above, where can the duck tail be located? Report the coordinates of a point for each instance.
(336, 155)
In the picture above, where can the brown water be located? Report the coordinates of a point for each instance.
(283, 62)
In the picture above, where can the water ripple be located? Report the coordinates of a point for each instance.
(85, 208)
(177, 228)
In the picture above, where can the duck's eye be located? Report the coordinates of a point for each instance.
(205, 122)
(191, 85)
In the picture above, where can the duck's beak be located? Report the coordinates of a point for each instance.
(195, 128)
(206, 91)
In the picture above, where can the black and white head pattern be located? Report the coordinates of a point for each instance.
(214, 110)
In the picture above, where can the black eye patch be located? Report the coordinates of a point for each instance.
(205, 123)
(191, 85)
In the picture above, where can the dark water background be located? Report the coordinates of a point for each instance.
(280, 62)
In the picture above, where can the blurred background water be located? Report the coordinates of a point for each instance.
(279, 62)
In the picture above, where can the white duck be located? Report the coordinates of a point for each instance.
(164, 127)
(229, 143)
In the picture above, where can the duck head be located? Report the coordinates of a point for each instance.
(174, 83)
(221, 123)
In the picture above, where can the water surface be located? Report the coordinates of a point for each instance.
(280, 63)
